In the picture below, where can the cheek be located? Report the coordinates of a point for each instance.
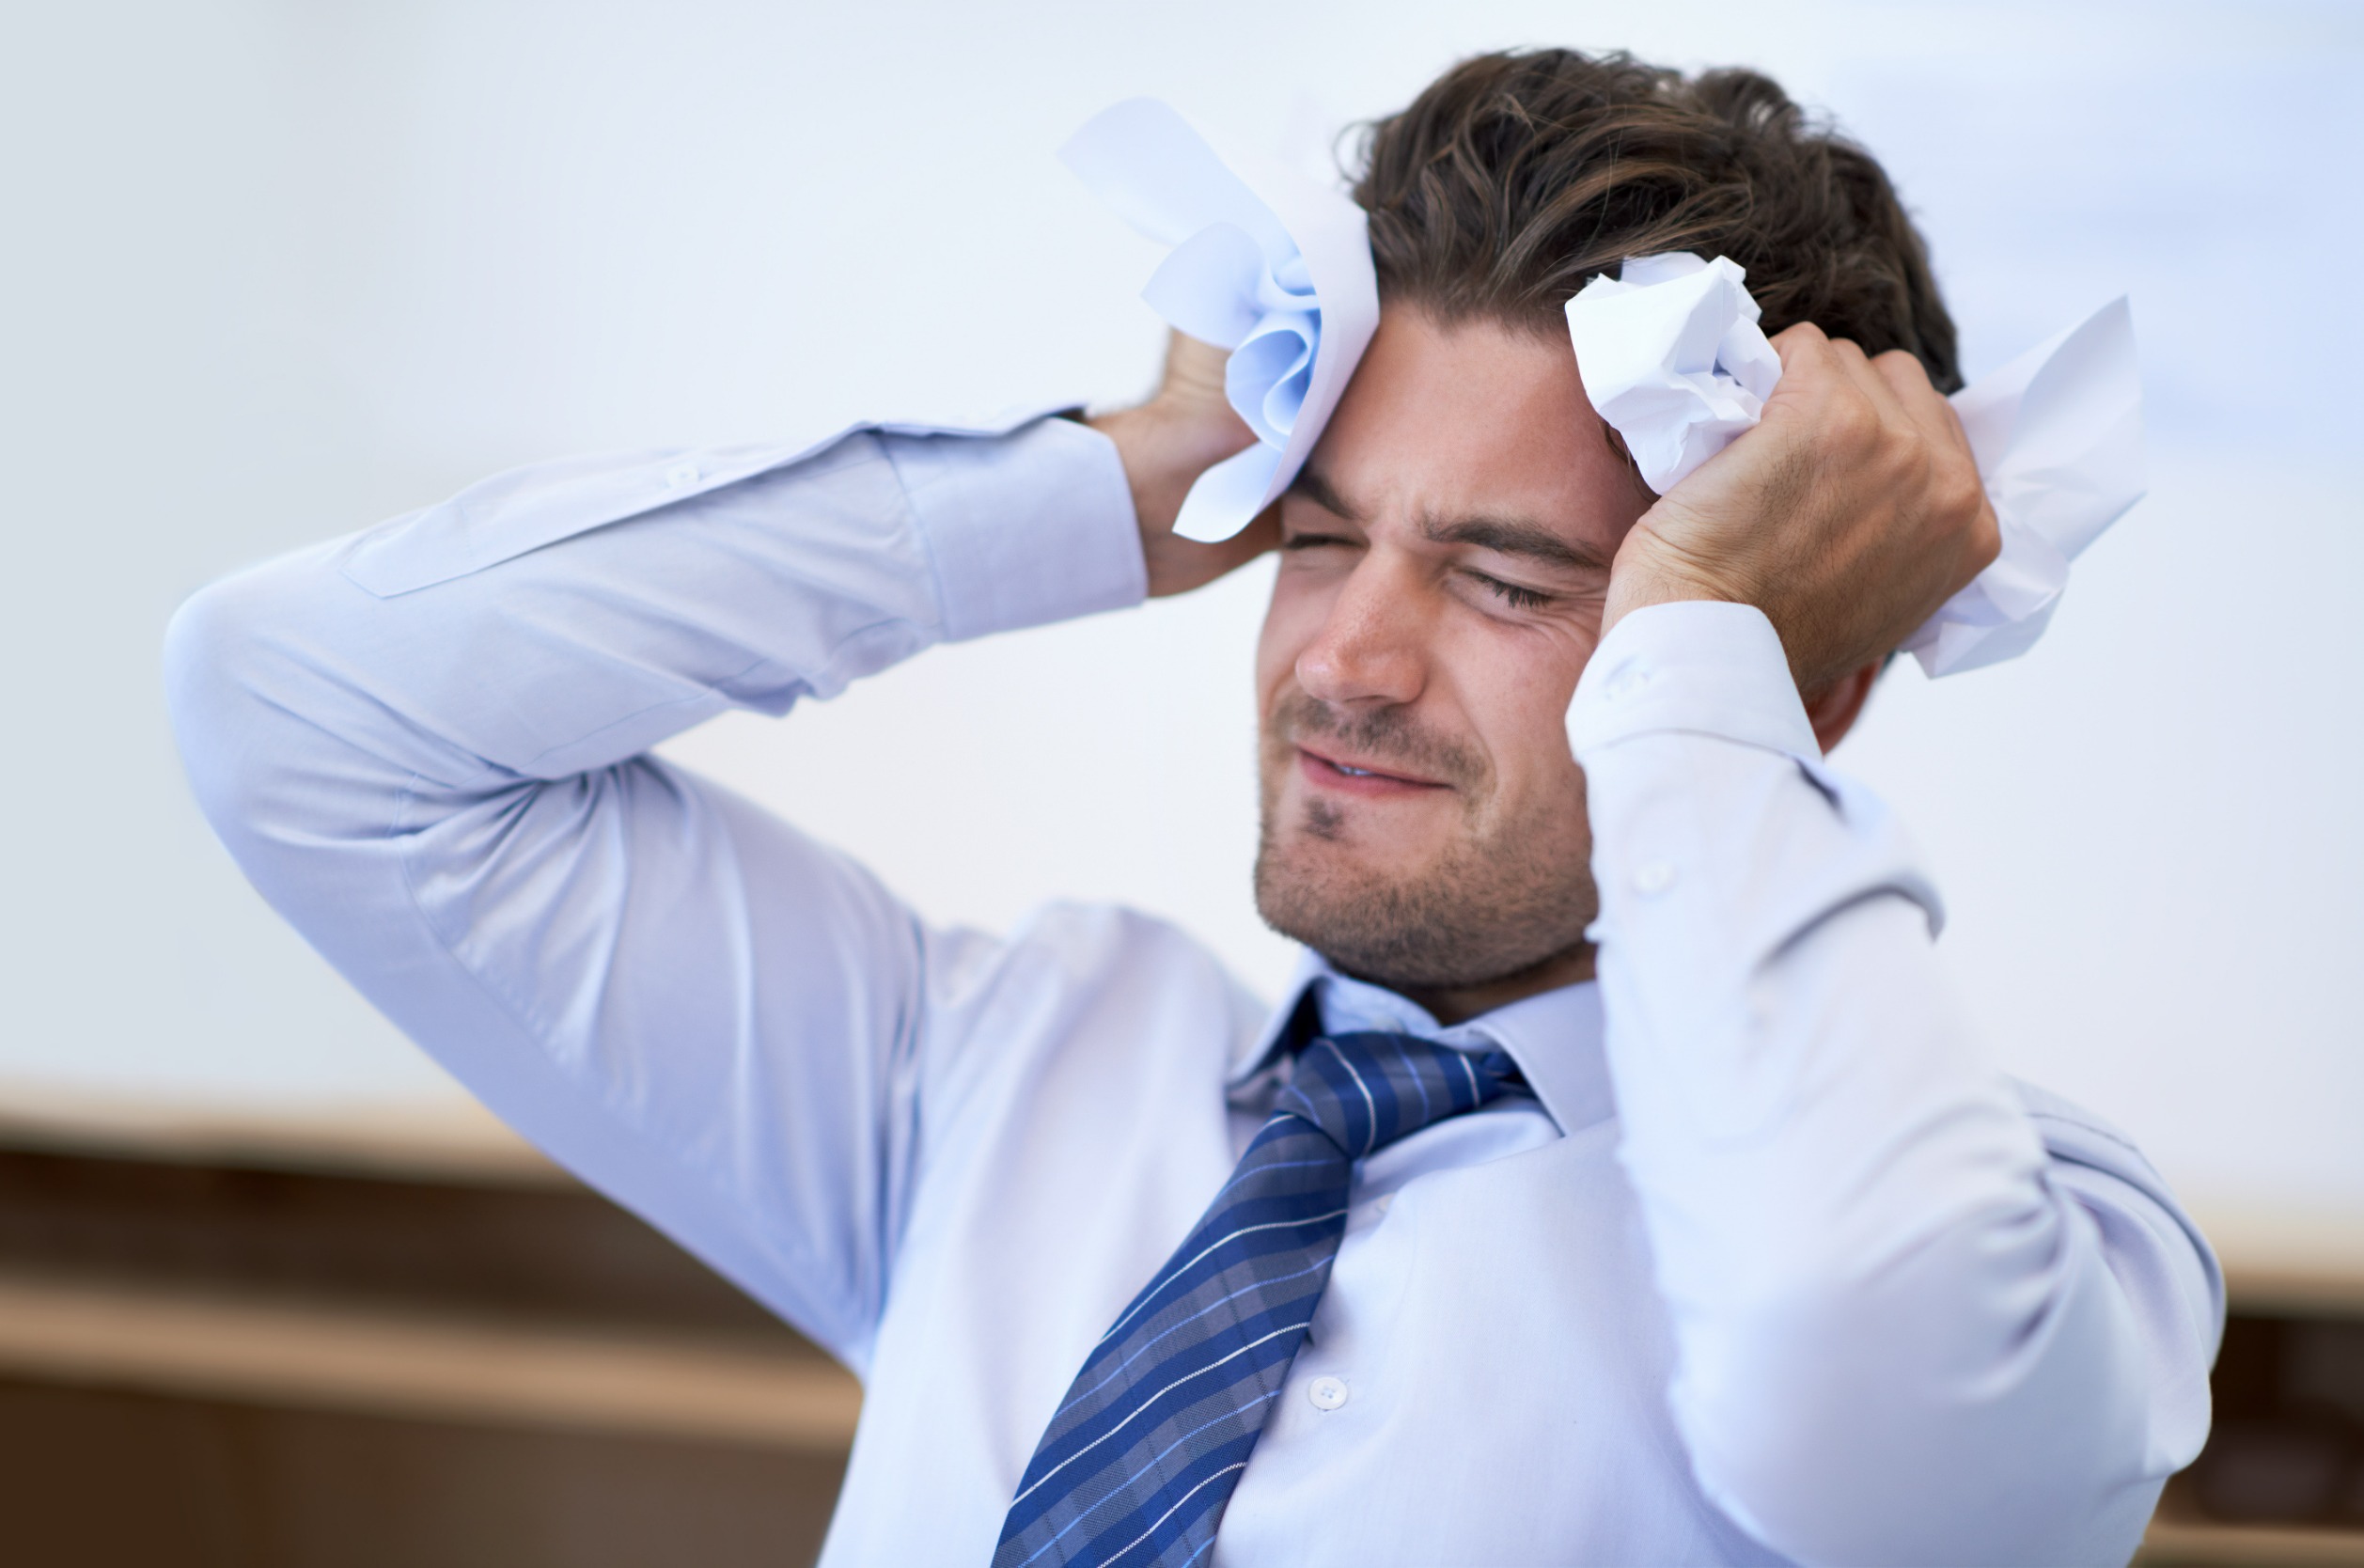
(1516, 693)
(1539, 778)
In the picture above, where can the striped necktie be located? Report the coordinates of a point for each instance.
(1143, 1453)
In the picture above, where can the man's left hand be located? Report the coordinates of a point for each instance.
(1848, 515)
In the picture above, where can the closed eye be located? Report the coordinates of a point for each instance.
(1313, 541)
(1513, 595)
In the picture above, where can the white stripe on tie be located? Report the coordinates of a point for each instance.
(1372, 1106)
(1216, 1304)
(1427, 1106)
(1169, 1513)
(1118, 1493)
(1292, 1328)
(1174, 1274)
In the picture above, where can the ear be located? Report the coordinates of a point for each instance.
(1833, 712)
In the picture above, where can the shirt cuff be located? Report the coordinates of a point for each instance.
(1025, 529)
(1694, 667)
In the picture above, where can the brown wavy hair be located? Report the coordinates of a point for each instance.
(1514, 179)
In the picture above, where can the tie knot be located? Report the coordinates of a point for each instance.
(1367, 1090)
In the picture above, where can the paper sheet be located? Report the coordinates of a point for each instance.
(2058, 435)
(1266, 263)
(1672, 358)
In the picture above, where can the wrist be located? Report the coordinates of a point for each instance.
(1163, 451)
(1650, 570)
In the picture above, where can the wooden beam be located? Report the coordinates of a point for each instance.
(451, 1139)
(2188, 1543)
(481, 1370)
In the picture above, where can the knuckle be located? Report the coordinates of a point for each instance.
(1975, 549)
(1964, 491)
(1855, 425)
(1986, 532)
(1902, 368)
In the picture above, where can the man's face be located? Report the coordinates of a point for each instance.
(1445, 556)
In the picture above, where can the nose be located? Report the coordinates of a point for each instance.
(1372, 650)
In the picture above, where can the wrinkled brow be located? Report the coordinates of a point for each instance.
(1513, 537)
(1316, 487)
(1507, 536)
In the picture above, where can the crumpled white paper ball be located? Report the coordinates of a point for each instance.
(1672, 357)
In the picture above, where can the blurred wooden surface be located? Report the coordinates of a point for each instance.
(101, 1478)
(490, 1370)
(2285, 1261)
(454, 1139)
(216, 1355)
(2193, 1543)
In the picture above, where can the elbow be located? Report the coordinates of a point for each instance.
(233, 695)
(1945, 1410)
(207, 641)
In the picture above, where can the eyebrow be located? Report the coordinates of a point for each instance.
(1510, 537)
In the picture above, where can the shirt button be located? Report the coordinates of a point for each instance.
(682, 475)
(1656, 877)
(1629, 678)
(1327, 1393)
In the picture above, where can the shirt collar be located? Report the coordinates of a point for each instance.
(1556, 1036)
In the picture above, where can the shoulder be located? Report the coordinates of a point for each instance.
(1065, 953)
(1071, 975)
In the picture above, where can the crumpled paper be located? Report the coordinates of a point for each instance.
(1266, 263)
(1672, 358)
(2057, 435)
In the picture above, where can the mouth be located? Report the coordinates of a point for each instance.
(1348, 775)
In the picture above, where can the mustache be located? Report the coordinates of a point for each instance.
(1389, 737)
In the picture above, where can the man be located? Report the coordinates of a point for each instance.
(1616, 1183)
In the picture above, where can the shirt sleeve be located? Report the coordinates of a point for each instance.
(426, 744)
(1920, 1315)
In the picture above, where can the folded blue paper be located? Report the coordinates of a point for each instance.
(1266, 263)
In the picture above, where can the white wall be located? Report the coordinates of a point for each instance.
(275, 271)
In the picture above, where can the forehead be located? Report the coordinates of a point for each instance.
(1474, 420)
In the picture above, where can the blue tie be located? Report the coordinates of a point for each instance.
(1143, 1454)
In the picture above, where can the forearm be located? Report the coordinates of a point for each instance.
(1897, 1339)
(569, 616)
(557, 621)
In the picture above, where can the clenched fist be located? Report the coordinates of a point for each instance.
(1848, 515)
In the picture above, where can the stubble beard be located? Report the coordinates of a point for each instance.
(1504, 898)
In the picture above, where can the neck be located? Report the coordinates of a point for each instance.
(1454, 1004)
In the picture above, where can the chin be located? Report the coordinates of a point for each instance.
(1460, 918)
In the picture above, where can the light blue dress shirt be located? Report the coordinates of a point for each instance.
(1773, 1265)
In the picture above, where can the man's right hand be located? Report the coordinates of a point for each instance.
(1186, 428)
(1848, 515)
